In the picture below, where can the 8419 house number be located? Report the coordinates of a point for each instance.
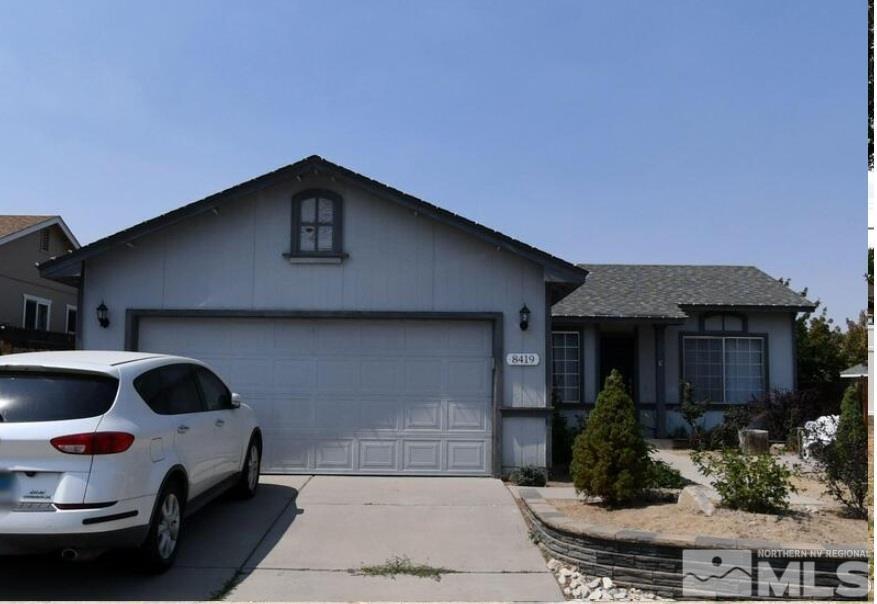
(522, 359)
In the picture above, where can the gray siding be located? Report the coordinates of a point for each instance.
(398, 261)
(19, 276)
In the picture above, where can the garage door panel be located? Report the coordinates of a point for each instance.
(467, 376)
(423, 376)
(465, 456)
(334, 455)
(423, 415)
(422, 455)
(352, 396)
(294, 375)
(378, 414)
(382, 376)
(468, 415)
(294, 338)
(382, 338)
(377, 455)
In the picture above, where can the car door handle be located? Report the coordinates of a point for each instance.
(220, 423)
(182, 429)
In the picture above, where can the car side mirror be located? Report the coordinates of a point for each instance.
(235, 400)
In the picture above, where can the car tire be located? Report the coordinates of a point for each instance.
(159, 551)
(248, 482)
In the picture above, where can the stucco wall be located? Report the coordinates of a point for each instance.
(19, 276)
(398, 261)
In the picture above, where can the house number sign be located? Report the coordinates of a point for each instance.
(522, 359)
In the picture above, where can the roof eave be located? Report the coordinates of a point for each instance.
(69, 264)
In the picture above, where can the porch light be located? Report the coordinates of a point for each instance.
(525, 318)
(103, 315)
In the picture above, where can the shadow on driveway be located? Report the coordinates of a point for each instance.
(218, 541)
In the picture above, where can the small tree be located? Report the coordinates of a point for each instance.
(844, 462)
(692, 412)
(611, 458)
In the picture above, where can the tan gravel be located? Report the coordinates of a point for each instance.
(820, 526)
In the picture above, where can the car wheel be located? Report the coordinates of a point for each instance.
(248, 482)
(162, 542)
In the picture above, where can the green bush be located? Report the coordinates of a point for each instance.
(844, 462)
(725, 435)
(752, 483)
(662, 476)
(611, 458)
(529, 476)
(563, 435)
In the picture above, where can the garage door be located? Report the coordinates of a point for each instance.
(351, 396)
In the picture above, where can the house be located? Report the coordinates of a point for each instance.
(35, 313)
(373, 332)
(729, 331)
(369, 329)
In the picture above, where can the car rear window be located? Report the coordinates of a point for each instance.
(46, 396)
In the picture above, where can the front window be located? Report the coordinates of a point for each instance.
(36, 313)
(566, 366)
(724, 369)
(316, 224)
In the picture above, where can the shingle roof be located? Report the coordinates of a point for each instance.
(664, 291)
(856, 371)
(13, 223)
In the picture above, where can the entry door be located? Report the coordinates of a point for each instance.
(618, 351)
(352, 396)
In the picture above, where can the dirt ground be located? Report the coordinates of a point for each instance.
(821, 526)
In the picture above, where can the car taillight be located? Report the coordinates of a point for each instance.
(94, 443)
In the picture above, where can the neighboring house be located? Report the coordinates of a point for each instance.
(34, 310)
(372, 332)
(727, 330)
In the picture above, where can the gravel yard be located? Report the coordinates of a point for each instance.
(802, 526)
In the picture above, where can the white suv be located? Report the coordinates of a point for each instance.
(100, 450)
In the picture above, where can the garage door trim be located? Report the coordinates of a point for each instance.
(134, 315)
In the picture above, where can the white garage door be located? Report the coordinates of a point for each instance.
(351, 396)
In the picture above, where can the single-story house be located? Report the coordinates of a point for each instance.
(372, 332)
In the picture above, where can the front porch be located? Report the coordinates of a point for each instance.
(585, 351)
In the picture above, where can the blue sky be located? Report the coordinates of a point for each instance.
(631, 132)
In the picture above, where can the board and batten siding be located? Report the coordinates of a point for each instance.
(398, 261)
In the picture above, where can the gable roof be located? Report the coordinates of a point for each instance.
(625, 291)
(67, 266)
(15, 226)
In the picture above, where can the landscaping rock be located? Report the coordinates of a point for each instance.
(576, 586)
(695, 498)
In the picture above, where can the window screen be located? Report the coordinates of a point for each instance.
(724, 369)
(566, 365)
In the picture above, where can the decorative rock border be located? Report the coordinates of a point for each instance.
(646, 560)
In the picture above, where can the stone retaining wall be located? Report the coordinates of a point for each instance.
(646, 560)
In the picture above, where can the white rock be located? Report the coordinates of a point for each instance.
(695, 498)
(595, 595)
(620, 594)
(607, 583)
(565, 572)
(567, 591)
(594, 584)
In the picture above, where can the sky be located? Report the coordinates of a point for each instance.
(619, 132)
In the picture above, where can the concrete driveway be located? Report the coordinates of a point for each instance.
(302, 536)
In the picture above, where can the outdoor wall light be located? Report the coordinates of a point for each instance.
(103, 315)
(525, 318)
